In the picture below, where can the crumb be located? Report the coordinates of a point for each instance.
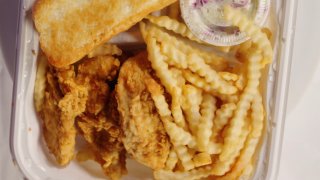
(33, 52)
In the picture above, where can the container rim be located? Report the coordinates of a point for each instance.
(286, 45)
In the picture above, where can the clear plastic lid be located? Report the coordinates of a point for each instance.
(205, 18)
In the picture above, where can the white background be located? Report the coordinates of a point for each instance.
(301, 141)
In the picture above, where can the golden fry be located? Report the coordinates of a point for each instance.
(237, 122)
(202, 159)
(257, 36)
(218, 63)
(40, 83)
(166, 78)
(173, 25)
(207, 110)
(172, 160)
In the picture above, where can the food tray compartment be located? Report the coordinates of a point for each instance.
(27, 145)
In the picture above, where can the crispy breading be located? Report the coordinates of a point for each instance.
(103, 136)
(93, 72)
(99, 67)
(99, 124)
(144, 138)
(58, 114)
(68, 95)
(103, 133)
(98, 96)
(69, 29)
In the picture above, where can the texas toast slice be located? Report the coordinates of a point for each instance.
(71, 29)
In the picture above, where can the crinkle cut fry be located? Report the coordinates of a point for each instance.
(247, 172)
(218, 63)
(230, 147)
(177, 134)
(192, 98)
(247, 153)
(201, 172)
(157, 96)
(175, 57)
(221, 119)
(166, 78)
(257, 36)
(193, 174)
(246, 98)
(207, 110)
(177, 74)
(179, 59)
(202, 159)
(197, 81)
(197, 65)
(254, 74)
(240, 83)
(221, 167)
(228, 76)
(172, 160)
(200, 83)
(185, 157)
(173, 25)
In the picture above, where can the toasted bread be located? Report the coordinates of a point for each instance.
(71, 29)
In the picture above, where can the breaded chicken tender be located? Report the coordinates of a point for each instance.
(60, 108)
(99, 124)
(103, 136)
(144, 138)
(69, 92)
(94, 74)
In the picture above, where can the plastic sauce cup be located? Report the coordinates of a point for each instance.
(205, 18)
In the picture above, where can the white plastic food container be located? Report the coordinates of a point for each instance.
(27, 145)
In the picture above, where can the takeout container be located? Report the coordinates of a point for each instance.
(29, 151)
